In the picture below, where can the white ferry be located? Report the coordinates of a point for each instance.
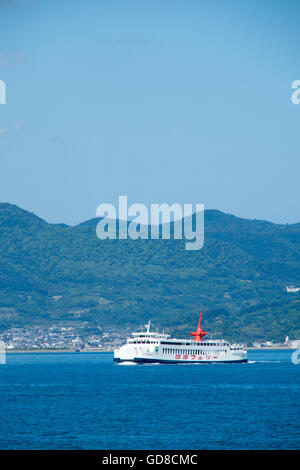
(154, 347)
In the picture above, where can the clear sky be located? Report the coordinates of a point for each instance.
(160, 100)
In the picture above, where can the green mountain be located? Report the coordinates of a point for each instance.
(57, 273)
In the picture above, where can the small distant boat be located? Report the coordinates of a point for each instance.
(154, 347)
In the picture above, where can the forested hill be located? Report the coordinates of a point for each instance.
(57, 273)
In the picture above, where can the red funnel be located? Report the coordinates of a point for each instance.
(199, 333)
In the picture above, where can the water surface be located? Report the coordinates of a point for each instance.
(84, 401)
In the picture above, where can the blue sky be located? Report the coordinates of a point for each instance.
(161, 100)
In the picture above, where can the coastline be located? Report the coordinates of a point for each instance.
(279, 348)
(39, 351)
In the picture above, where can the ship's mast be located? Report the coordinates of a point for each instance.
(199, 333)
(148, 326)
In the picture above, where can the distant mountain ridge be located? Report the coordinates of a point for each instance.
(239, 277)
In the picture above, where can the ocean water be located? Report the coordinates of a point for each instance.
(84, 401)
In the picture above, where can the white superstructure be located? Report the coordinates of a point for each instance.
(157, 347)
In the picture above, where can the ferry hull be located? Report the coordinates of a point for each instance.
(138, 360)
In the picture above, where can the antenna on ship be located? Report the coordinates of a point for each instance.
(199, 333)
(148, 326)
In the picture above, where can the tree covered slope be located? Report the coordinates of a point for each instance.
(58, 273)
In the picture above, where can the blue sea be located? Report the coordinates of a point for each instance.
(85, 401)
